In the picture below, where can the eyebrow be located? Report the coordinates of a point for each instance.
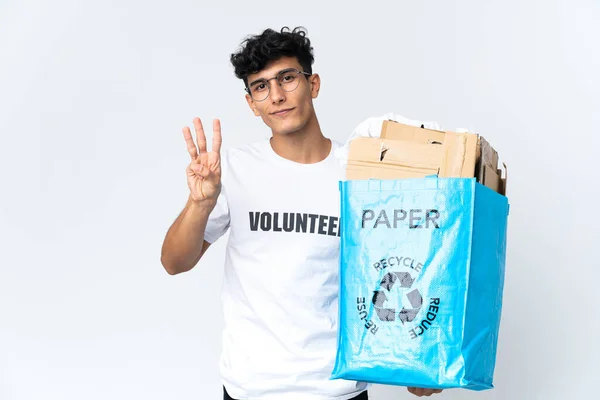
(264, 79)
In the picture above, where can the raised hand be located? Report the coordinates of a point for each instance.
(204, 171)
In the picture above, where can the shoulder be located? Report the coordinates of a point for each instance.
(244, 152)
(249, 148)
(243, 156)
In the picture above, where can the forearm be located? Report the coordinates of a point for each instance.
(182, 247)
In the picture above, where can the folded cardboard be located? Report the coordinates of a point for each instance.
(487, 171)
(405, 151)
(412, 153)
(397, 131)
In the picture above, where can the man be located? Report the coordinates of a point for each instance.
(279, 200)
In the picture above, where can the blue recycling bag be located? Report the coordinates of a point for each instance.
(421, 282)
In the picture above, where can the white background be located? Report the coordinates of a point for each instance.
(93, 96)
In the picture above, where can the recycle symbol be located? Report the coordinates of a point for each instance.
(380, 297)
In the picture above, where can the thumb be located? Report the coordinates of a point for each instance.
(200, 169)
(207, 174)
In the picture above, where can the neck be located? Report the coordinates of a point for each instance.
(306, 146)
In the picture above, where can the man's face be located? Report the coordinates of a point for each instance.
(283, 111)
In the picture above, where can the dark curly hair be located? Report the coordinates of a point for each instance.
(259, 50)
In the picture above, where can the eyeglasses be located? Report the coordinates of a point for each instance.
(288, 80)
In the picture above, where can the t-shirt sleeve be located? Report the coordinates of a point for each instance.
(218, 220)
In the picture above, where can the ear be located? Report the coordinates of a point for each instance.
(252, 105)
(315, 85)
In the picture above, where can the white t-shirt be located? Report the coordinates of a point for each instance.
(280, 289)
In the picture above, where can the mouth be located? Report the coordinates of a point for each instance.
(282, 112)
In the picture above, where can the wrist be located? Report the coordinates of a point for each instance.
(201, 204)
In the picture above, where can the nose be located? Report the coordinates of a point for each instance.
(276, 93)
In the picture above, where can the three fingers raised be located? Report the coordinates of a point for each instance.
(200, 147)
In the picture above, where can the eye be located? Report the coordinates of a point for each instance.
(259, 87)
(288, 77)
